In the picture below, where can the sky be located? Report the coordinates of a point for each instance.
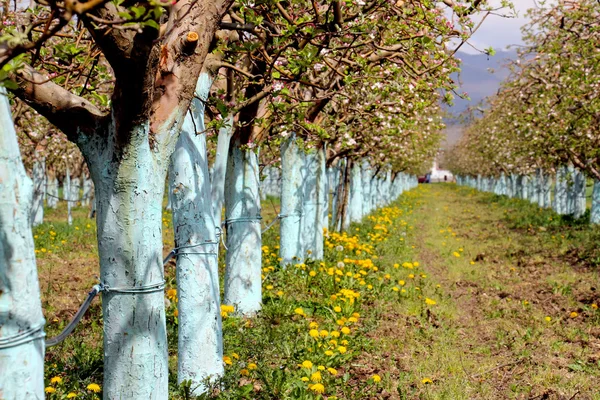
(499, 32)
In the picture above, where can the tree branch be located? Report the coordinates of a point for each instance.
(70, 113)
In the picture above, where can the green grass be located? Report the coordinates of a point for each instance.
(496, 269)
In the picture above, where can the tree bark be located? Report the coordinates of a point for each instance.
(243, 282)
(292, 178)
(21, 320)
(200, 340)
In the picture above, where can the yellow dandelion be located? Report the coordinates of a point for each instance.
(71, 395)
(426, 381)
(456, 254)
(313, 325)
(430, 302)
(227, 360)
(252, 366)
(318, 388)
(342, 349)
(244, 372)
(313, 333)
(94, 387)
(49, 390)
(56, 379)
(345, 330)
(332, 371)
(337, 309)
(376, 378)
(307, 364)
(316, 377)
(573, 314)
(304, 379)
(299, 311)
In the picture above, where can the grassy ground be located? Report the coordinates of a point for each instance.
(448, 294)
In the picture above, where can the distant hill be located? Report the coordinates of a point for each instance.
(480, 77)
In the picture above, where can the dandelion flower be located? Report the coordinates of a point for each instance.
(335, 334)
(313, 325)
(318, 388)
(342, 349)
(56, 379)
(345, 330)
(456, 254)
(94, 387)
(573, 314)
(251, 366)
(304, 379)
(227, 360)
(49, 390)
(307, 364)
(329, 353)
(376, 378)
(313, 333)
(316, 377)
(594, 306)
(430, 302)
(244, 372)
(337, 309)
(324, 333)
(299, 311)
(548, 319)
(71, 395)
(332, 371)
(426, 381)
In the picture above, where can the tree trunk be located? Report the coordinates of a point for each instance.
(219, 169)
(39, 190)
(52, 191)
(345, 203)
(356, 200)
(21, 320)
(200, 340)
(129, 182)
(242, 210)
(366, 187)
(291, 244)
(67, 195)
(309, 229)
(322, 202)
(579, 200)
(595, 213)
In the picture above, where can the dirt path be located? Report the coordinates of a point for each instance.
(512, 318)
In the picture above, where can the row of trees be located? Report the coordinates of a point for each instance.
(144, 89)
(545, 120)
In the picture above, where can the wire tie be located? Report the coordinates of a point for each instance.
(26, 336)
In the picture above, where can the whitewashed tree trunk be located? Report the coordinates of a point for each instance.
(366, 187)
(22, 344)
(356, 197)
(579, 200)
(290, 228)
(560, 191)
(309, 205)
(129, 180)
(595, 213)
(67, 195)
(88, 189)
(39, 190)
(219, 169)
(243, 286)
(322, 221)
(52, 191)
(200, 334)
